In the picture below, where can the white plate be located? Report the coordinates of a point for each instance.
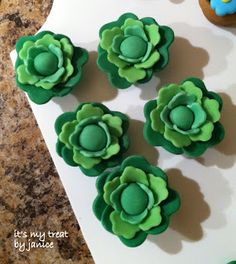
(204, 231)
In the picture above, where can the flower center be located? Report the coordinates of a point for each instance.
(134, 200)
(182, 117)
(133, 47)
(93, 138)
(46, 63)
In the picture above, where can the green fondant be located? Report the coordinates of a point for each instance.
(116, 197)
(199, 115)
(153, 219)
(182, 117)
(122, 228)
(153, 34)
(171, 124)
(95, 136)
(133, 219)
(114, 123)
(136, 31)
(58, 52)
(159, 189)
(130, 49)
(48, 65)
(89, 110)
(109, 187)
(128, 209)
(132, 174)
(133, 47)
(134, 199)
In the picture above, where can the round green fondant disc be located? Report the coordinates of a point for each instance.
(134, 200)
(133, 47)
(46, 63)
(182, 117)
(93, 138)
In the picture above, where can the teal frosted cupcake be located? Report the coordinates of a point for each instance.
(48, 65)
(93, 138)
(184, 119)
(131, 50)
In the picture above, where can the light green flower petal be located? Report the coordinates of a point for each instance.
(67, 129)
(122, 228)
(177, 139)
(153, 219)
(133, 219)
(211, 107)
(67, 48)
(132, 74)
(155, 56)
(150, 195)
(116, 42)
(45, 85)
(114, 58)
(85, 162)
(46, 40)
(108, 35)
(88, 110)
(109, 187)
(135, 31)
(191, 88)
(205, 132)
(167, 93)
(114, 123)
(53, 79)
(199, 115)
(49, 82)
(156, 123)
(113, 149)
(132, 174)
(24, 50)
(69, 69)
(58, 52)
(24, 77)
(153, 34)
(132, 22)
(159, 188)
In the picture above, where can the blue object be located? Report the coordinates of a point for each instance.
(223, 8)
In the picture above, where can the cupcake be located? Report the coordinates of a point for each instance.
(48, 65)
(219, 12)
(134, 201)
(131, 50)
(93, 138)
(184, 119)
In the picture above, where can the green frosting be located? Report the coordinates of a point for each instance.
(184, 118)
(132, 49)
(92, 137)
(48, 65)
(127, 47)
(45, 63)
(134, 201)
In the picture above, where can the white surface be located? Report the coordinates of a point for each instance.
(204, 230)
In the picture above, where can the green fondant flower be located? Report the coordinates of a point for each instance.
(48, 65)
(93, 137)
(184, 118)
(134, 201)
(132, 49)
